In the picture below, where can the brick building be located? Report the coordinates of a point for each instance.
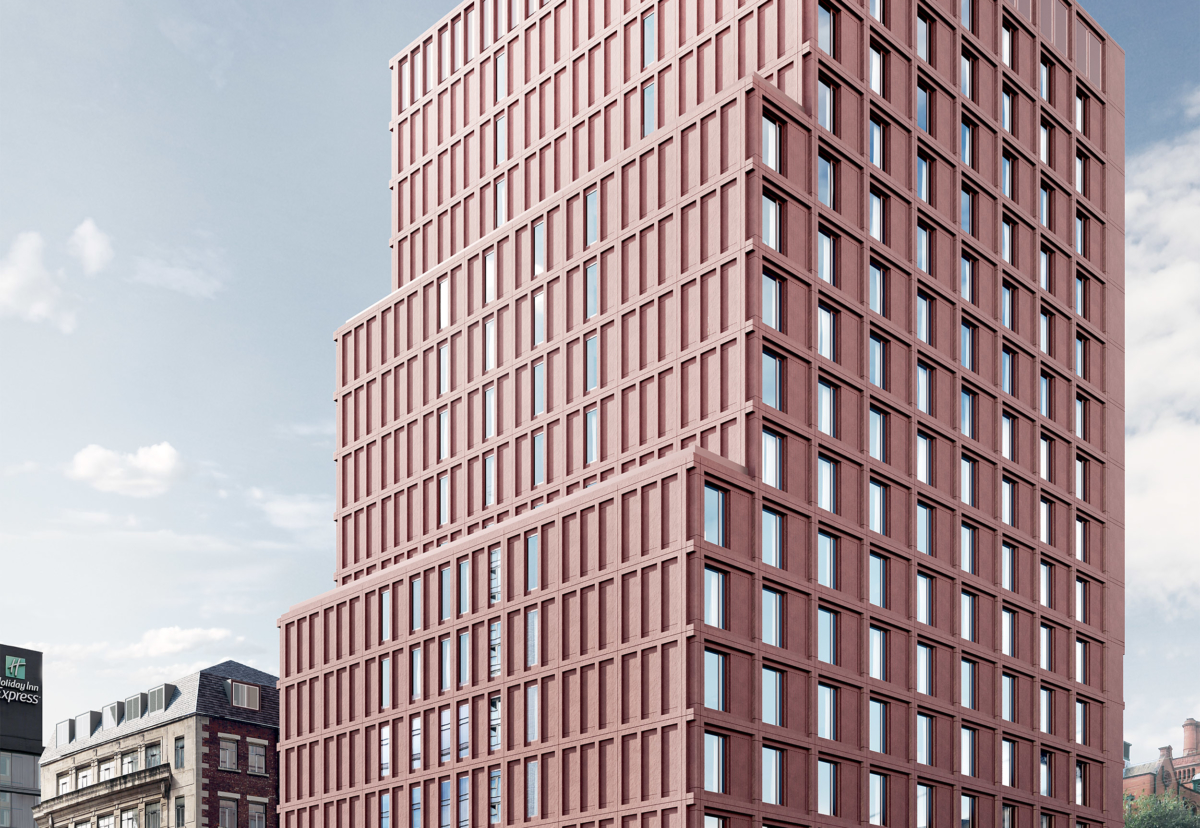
(199, 751)
(741, 441)
(1169, 774)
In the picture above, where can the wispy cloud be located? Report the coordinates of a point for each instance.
(91, 246)
(1163, 352)
(175, 640)
(28, 290)
(322, 429)
(308, 517)
(148, 472)
(195, 271)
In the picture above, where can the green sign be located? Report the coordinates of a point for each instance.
(14, 667)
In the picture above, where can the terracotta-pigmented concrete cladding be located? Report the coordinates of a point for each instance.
(666, 276)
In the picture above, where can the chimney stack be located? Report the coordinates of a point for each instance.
(1191, 737)
(1165, 752)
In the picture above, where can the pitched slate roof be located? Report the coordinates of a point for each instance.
(201, 693)
(1142, 769)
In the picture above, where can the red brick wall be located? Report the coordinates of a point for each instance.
(240, 781)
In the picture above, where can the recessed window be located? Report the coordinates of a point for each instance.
(966, 412)
(967, 346)
(877, 204)
(714, 762)
(826, 788)
(772, 380)
(825, 104)
(924, 317)
(925, 528)
(925, 598)
(966, 210)
(591, 425)
(924, 459)
(772, 458)
(649, 43)
(772, 617)
(925, 659)
(714, 597)
(966, 75)
(967, 617)
(876, 143)
(924, 27)
(826, 408)
(923, 106)
(501, 139)
(1006, 111)
(825, 23)
(772, 143)
(967, 144)
(501, 199)
(967, 481)
(826, 484)
(877, 593)
(825, 333)
(591, 205)
(877, 653)
(649, 112)
(1044, 79)
(876, 69)
(1007, 163)
(877, 443)
(772, 221)
(877, 354)
(1007, 231)
(877, 507)
(772, 302)
(877, 288)
(714, 515)
(1007, 39)
(591, 288)
(772, 538)
(924, 389)
(827, 636)
(826, 263)
(1044, 143)
(825, 180)
(772, 696)
(827, 560)
(924, 263)
(923, 172)
(714, 680)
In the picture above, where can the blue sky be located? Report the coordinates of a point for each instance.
(194, 195)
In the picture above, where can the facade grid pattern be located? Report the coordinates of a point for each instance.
(741, 440)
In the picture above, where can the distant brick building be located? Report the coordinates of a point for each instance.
(1168, 774)
(200, 751)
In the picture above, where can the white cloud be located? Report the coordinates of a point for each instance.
(174, 640)
(307, 516)
(27, 467)
(91, 246)
(321, 428)
(148, 472)
(28, 289)
(198, 272)
(1163, 368)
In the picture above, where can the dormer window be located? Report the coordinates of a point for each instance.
(244, 695)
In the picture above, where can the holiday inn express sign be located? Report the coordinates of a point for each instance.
(20, 700)
(15, 686)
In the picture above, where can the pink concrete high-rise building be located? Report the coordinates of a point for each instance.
(741, 441)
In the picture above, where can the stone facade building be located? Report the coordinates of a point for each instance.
(199, 751)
